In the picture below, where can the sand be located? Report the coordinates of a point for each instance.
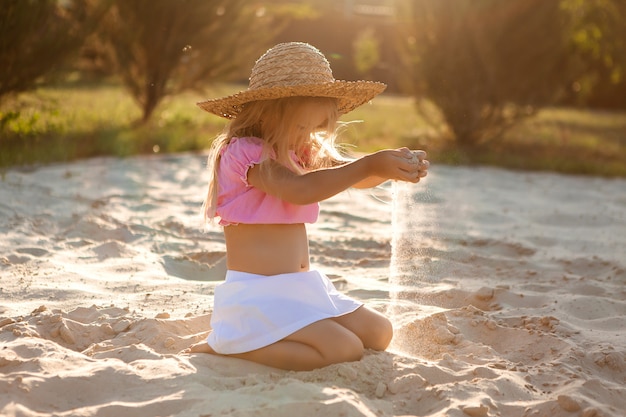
(506, 290)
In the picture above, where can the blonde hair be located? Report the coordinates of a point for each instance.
(284, 125)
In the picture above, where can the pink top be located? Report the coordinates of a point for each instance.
(239, 202)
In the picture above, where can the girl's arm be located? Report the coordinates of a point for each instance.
(369, 182)
(315, 186)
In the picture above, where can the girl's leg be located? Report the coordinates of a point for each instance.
(317, 345)
(374, 329)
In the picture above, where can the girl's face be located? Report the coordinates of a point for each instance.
(314, 117)
(297, 120)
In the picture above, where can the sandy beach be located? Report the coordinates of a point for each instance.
(507, 291)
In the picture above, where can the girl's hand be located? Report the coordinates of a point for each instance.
(399, 164)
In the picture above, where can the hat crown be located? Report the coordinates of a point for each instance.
(290, 64)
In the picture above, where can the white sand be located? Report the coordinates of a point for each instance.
(507, 292)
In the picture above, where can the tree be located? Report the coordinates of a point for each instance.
(36, 36)
(484, 63)
(366, 49)
(598, 37)
(163, 47)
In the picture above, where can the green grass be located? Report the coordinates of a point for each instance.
(69, 122)
(77, 120)
(563, 140)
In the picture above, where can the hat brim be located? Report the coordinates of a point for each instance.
(350, 95)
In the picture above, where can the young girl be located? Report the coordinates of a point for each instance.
(269, 169)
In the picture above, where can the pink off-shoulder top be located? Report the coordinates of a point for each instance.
(239, 202)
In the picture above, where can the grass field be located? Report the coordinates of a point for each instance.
(72, 121)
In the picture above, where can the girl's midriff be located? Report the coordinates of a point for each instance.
(267, 249)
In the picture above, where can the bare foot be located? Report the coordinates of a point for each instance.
(201, 347)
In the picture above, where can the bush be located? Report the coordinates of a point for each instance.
(484, 63)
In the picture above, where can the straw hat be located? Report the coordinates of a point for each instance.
(294, 69)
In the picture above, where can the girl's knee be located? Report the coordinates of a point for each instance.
(349, 349)
(382, 333)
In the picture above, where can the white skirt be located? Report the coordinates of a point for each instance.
(252, 311)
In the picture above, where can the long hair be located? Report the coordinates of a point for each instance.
(286, 128)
